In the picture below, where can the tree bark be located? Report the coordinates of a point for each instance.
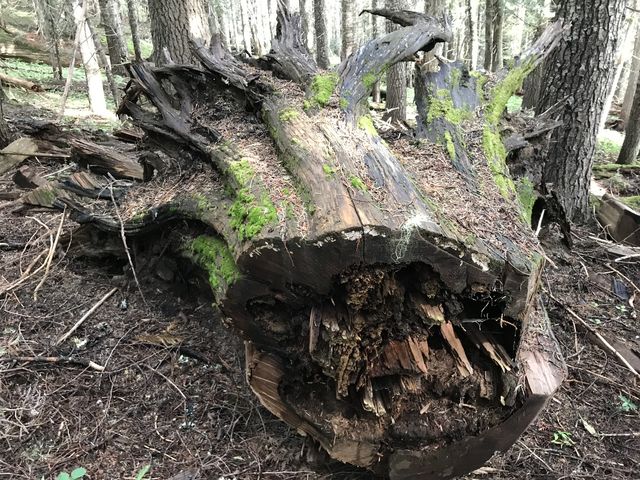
(471, 44)
(5, 132)
(578, 75)
(133, 25)
(44, 11)
(89, 59)
(322, 46)
(106, 65)
(112, 25)
(375, 94)
(497, 36)
(347, 29)
(488, 35)
(631, 145)
(396, 98)
(173, 24)
(304, 13)
(372, 295)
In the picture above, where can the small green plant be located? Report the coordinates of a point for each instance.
(626, 405)
(607, 148)
(142, 472)
(75, 474)
(563, 439)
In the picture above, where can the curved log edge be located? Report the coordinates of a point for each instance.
(377, 283)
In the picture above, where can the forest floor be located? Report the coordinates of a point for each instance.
(172, 394)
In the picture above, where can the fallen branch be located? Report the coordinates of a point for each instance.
(49, 259)
(600, 340)
(85, 316)
(39, 359)
(19, 82)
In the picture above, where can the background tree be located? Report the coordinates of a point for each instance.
(634, 74)
(497, 24)
(112, 25)
(374, 33)
(322, 46)
(347, 28)
(173, 24)
(488, 34)
(45, 13)
(631, 144)
(132, 13)
(5, 133)
(396, 77)
(578, 75)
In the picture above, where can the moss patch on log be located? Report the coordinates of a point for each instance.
(526, 196)
(451, 147)
(441, 106)
(249, 215)
(287, 114)
(214, 256)
(322, 87)
(496, 160)
(365, 122)
(502, 92)
(357, 183)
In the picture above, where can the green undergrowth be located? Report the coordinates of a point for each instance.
(322, 87)
(633, 202)
(214, 256)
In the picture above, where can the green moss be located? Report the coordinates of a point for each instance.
(481, 81)
(365, 123)
(496, 156)
(441, 106)
(357, 183)
(369, 80)
(633, 202)
(322, 87)
(241, 171)
(202, 203)
(455, 75)
(344, 103)
(328, 170)
(451, 147)
(249, 215)
(502, 92)
(287, 114)
(527, 197)
(213, 255)
(614, 167)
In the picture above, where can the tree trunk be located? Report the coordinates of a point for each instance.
(133, 25)
(375, 93)
(471, 44)
(89, 59)
(488, 34)
(322, 46)
(396, 98)
(382, 287)
(634, 74)
(173, 24)
(304, 13)
(44, 11)
(246, 27)
(112, 25)
(347, 29)
(496, 37)
(631, 144)
(5, 132)
(106, 65)
(578, 75)
(531, 85)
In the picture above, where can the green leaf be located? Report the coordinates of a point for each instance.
(626, 405)
(142, 472)
(78, 473)
(63, 476)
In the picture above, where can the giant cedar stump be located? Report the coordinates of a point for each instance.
(387, 290)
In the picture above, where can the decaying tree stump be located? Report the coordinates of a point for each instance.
(387, 289)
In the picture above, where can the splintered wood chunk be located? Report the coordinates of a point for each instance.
(372, 401)
(417, 354)
(27, 177)
(44, 196)
(449, 335)
(486, 342)
(16, 152)
(315, 318)
(432, 313)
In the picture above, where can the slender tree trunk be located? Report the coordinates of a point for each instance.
(471, 44)
(89, 59)
(396, 77)
(631, 144)
(578, 75)
(5, 133)
(133, 25)
(497, 36)
(322, 47)
(246, 27)
(488, 34)
(233, 28)
(106, 65)
(173, 24)
(304, 13)
(634, 74)
(347, 29)
(110, 21)
(44, 11)
(434, 8)
(374, 33)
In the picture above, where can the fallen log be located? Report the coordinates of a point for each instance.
(388, 291)
(19, 82)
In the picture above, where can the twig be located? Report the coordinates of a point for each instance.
(123, 236)
(39, 359)
(601, 340)
(49, 258)
(37, 154)
(85, 316)
(536, 456)
(540, 223)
